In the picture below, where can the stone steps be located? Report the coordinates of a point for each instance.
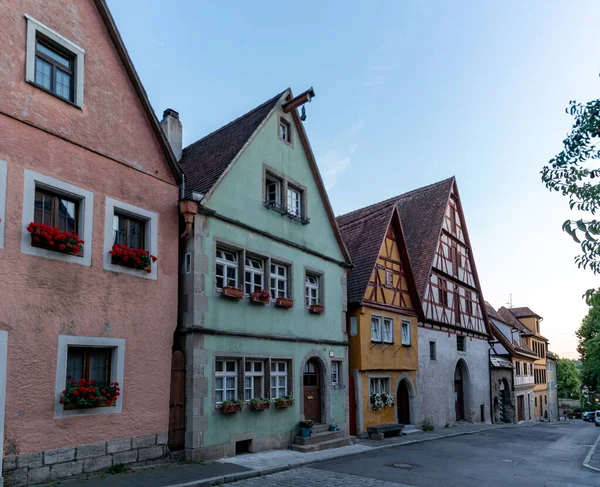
(318, 437)
(321, 439)
(324, 445)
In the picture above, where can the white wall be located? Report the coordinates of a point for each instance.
(435, 379)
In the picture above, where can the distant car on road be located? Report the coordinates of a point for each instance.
(588, 416)
(597, 418)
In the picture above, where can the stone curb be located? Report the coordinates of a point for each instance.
(586, 462)
(234, 477)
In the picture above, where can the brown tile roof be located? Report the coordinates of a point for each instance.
(523, 312)
(363, 238)
(204, 161)
(492, 313)
(513, 321)
(421, 212)
(513, 347)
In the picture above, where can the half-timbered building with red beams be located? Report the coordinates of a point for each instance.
(453, 371)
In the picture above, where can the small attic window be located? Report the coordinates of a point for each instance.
(285, 130)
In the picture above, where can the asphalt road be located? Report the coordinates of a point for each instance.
(541, 455)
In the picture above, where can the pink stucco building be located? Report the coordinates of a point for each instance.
(81, 150)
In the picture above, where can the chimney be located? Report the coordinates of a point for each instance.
(172, 128)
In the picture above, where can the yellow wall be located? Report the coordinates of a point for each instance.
(386, 415)
(530, 323)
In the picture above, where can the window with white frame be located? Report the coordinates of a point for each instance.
(254, 374)
(279, 378)
(294, 201)
(226, 380)
(279, 280)
(405, 332)
(379, 385)
(285, 130)
(254, 275)
(375, 328)
(313, 286)
(388, 330)
(336, 370)
(389, 278)
(54, 63)
(61, 205)
(272, 191)
(226, 268)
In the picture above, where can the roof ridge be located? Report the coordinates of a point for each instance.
(235, 120)
(394, 199)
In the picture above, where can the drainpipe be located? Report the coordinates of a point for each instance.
(490, 375)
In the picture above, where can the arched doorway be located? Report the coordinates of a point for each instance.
(403, 402)
(504, 401)
(459, 400)
(311, 390)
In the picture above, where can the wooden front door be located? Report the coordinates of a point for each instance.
(352, 399)
(459, 403)
(311, 391)
(403, 403)
(520, 408)
(177, 403)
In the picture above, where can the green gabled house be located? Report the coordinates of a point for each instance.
(262, 291)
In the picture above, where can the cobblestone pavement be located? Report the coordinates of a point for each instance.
(310, 477)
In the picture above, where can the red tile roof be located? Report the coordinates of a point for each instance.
(204, 161)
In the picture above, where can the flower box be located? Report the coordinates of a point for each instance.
(260, 297)
(229, 408)
(68, 407)
(232, 292)
(139, 259)
(317, 309)
(85, 394)
(260, 405)
(51, 238)
(282, 403)
(284, 303)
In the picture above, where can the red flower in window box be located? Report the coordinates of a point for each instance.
(260, 296)
(317, 309)
(83, 394)
(284, 302)
(51, 238)
(133, 258)
(232, 292)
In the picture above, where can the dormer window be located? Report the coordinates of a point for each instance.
(285, 130)
(294, 202)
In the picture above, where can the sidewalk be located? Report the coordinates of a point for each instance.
(592, 461)
(264, 463)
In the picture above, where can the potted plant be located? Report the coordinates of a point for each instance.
(89, 394)
(258, 404)
(133, 258)
(284, 302)
(381, 401)
(228, 407)
(51, 238)
(284, 402)
(260, 296)
(305, 428)
(232, 292)
(317, 309)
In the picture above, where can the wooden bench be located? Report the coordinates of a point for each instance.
(382, 431)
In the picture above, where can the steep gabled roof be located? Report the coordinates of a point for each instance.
(207, 159)
(514, 348)
(492, 313)
(422, 214)
(114, 34)
(523, 312)
(509, 318)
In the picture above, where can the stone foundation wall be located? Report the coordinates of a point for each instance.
(259, 443)
(51, 465)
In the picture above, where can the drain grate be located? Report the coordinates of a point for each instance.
(405, 466)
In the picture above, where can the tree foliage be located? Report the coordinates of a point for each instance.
(568, 379)
(588, 335)
(574, 173)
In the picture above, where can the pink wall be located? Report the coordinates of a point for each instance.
(41, 299)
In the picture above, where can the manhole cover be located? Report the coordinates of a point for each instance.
(405, 466)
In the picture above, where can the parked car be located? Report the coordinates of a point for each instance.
(588, 416)
(597, 418)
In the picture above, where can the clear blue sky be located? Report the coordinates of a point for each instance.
(408, 93)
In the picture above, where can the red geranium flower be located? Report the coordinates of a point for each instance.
(75, 392)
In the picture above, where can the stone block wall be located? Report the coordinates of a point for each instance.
(51, 465)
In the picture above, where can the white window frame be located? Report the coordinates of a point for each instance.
(388, 324)
(309, 287)
(389, 278)
(224, 374)
(33, 28)
(274, 276)
(86, 216)
(376, 331)
(288, 132)
(117, 368)
(254, 271)
(294, 201)
(269, 181)
(150, 220)
(274, 382)
(3, 185)
(336, 373)
(405, 325)
(226, 264)
(251, 374)
(379, 384)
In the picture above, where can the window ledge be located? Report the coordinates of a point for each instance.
(68, 102)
